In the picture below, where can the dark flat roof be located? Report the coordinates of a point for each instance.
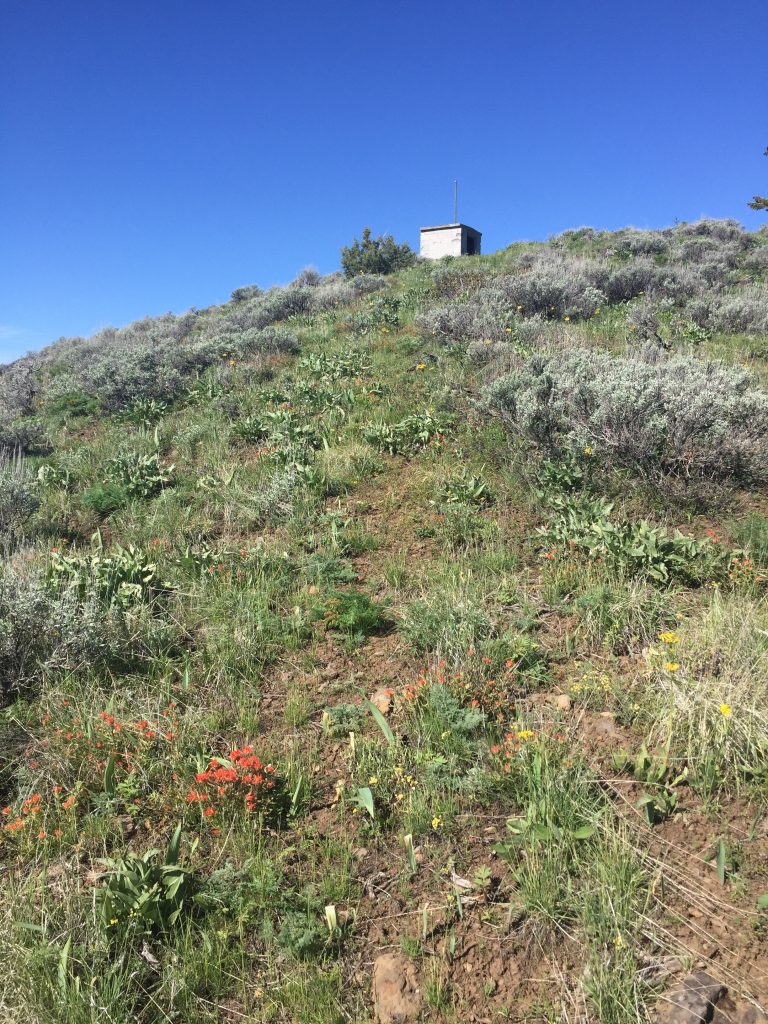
(442, 227)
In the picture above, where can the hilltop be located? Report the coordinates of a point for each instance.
(395, 644)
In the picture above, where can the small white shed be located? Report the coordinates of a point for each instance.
(449, 240)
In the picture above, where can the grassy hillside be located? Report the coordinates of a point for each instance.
(420, 617)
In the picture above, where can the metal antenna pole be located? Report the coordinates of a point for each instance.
(455, 202)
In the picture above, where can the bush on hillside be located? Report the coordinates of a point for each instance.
(482, 319)
(678, 421)
(18, 499)
(156, 358)
(743, 313)
(380, 255)
(249, 291)
(43, 630)
(24, 434)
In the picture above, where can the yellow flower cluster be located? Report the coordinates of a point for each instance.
(591, 682)
(669, 637)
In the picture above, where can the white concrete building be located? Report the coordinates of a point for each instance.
(449, 240)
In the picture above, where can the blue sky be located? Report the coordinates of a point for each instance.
(156, 155)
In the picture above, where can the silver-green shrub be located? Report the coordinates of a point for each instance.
(679, 421)
(43, 630)
(745, 312)
(462, 322)
(18, 499)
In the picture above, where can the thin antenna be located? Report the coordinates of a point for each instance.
(455, 202)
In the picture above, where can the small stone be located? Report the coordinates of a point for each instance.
(360, 853)
(605, 724)
(692, 1001)
(397, 994)
(563, 702)
(382, 699)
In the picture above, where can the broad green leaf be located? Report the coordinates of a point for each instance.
(364, 799)
(382, 723)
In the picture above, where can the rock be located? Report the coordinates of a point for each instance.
(397, 994)
(731, 1010)
(382, 699)
(563, 702)
(690, 1002)
(360, 853)
(604, 724)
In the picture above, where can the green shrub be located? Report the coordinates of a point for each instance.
(142, 476)
(142, 895)
(381, 314)
(45, 630)
(342, 719)
(355, 614)
(125, 576)
(74, 404)
(380, 255)
(409, 435)
(302, 934)
(679, 422)
(103, 499)
(464, 489)
(585, 526)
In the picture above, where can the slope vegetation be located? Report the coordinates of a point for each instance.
(394, 645)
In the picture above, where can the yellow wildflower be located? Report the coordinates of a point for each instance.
(669, 638)
(672, 666)
(373, 780)
(436, 822)
(725, 710)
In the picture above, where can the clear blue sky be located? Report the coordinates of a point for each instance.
(156, 155)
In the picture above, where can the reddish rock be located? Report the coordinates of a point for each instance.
(382, 699)
(397, 994)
